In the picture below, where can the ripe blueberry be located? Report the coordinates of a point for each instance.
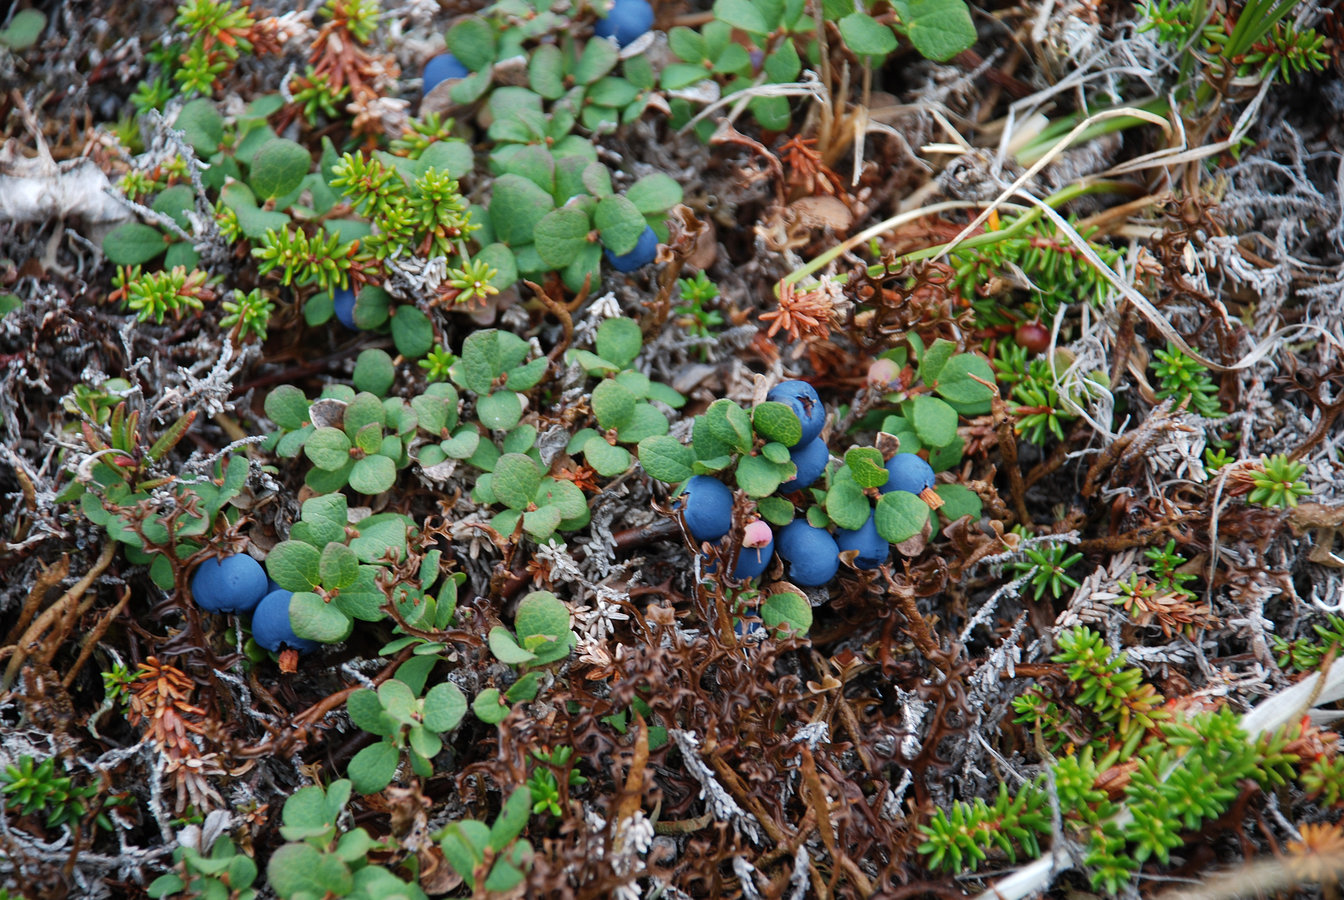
(908, 472)
(873, 551)
(707, 507)
(441, 68)
(802, 398)
(271, 628)
(645, 250)
(627, 21)
(811, 553)
(343, 302)
(810, 459)
(234, 584)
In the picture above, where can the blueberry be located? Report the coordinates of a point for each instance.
(441, 68)
(343, 301)
(758, 545)
(233, 584)
(811, 459)
(271, 628)
(707, 506)
(873, 551)
(907, 472)
(811, 553)
(627, 21)
(645, 250)
(802, 398)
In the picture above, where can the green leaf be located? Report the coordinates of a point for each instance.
(611, 92)
(900, 516)
(324, 518)
(374, 372)
(516, 206)
(338, 566)
(546, 72)
(203, 126)
(278, 168)
(24, 29)
(564, 496)
(705, 442)
(366, 711)
(612, 404)
(489, 708)
(783, 65)
(512, 819)
(686, 43)
(775, 510)
(132, 244)
(619, 223)
(560, 235)
(378, 534)
(175, 203)
(618, 341)
(327, 448)
(606, 460)
(472, 41)
(730, 424)
(371, 305)
(935, 357)
(956, 385)
(412, 332)
(541, 523)
(847, 505)
(534, 163)
(287, 407)
(506, 649)
(666, 459)
(542, 613)
(934, 420)
(787, 612)
(599, 58)
(740, 14)
(865, 466)
(758, 477)
(423, 742)
(444, 707)
(958, 500)
(373, 475)
(524, 689)
(516, 480)
(501, 259)
(866, 36)
(364, 409)
(939, 29)
(291, 869)
(294, 566)
(586, 267)
(777, 422)
(679, 76)
(500, 410)
(374, 767)
(451, 156)
(945, 457)
(313, 618)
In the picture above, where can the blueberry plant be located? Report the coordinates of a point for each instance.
(591, 448)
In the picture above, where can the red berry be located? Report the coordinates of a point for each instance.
(1033, 336)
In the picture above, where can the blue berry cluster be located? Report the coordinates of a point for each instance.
(812, 553)
(238, 585)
